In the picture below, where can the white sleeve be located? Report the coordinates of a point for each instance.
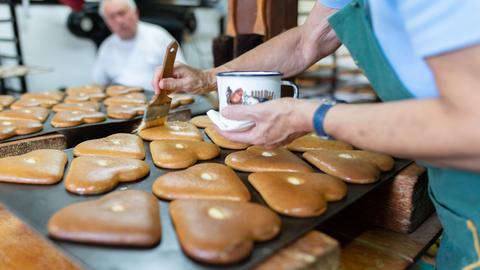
(99, 73)
(180, 58)
(165, 38)
(437, 27)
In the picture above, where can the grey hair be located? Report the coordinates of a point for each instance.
(101, 9)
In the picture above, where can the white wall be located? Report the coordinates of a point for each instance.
(47, 42)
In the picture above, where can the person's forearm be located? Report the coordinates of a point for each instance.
(429, 130)
(291, 52)
(281, 53)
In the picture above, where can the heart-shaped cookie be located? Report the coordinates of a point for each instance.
(259, 159)
(76, 118)
(6, 100)
(121, 218)
(94, 175)
(34, 102)
(122, 145)
(298, 194)
(41, 167)
(202, 181)
(31, 113)
(135, 98)
(88, 106)
(176, 130)
(125, 111)
(384, 162)
(312, 142)
(180, 99)
(179, 154)
(120, 90)
(85, 97)
(10, 128)
(54, 94)
(351, 166)
(220, 231)
(222, 141)
(87, 89)
(201, 121)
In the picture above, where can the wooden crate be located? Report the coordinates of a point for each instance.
(400, 205)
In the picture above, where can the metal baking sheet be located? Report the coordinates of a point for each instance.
(75, 134)
(36, 204)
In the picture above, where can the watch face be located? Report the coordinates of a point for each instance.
(328, 101)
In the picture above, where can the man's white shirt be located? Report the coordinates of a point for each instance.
(133, 62)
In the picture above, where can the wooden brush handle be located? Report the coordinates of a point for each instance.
(169, 59)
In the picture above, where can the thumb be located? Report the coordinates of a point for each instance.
(238, 112)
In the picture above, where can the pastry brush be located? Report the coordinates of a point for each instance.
(157, 109)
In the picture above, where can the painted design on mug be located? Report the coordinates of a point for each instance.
(239, 96)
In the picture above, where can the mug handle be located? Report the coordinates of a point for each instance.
(294, 86)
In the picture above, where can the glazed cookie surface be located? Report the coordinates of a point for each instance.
(40, 167)
(93, 175)
(117, 145)
(121, 218)
(298, 194)
(259, 159)
(75, 118)
(179, 154)
(220, 231)
(202, 181)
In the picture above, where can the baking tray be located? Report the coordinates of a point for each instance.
(80, 133)
(36, 204)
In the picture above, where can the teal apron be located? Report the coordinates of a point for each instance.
(455, 193)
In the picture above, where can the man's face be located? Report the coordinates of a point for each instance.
(121, 19)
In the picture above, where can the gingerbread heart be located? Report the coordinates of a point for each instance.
(344, 165)
(222, 141)
(220, 231)
(54, 94)
(88, 106)
(120, 90)
(122, 145)
(76, 118)
(180, 99)
(6, 100)
(176, 130)
(121, 218)
(94, 175)
(125, 111)
(32, 113)
(87, 89)
(85, 97)
(179, 154)
(307, 193)
(10, 128)
(384, 162)
(259, 159)
(312, 142)
(202, 181)
(135, 98)
(34, 102)
(41, 167)
(201, 121)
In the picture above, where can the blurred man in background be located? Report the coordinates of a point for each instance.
(130, 55)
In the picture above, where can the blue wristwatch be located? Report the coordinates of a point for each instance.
(319, 116)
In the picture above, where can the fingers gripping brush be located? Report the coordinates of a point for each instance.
(157, 109)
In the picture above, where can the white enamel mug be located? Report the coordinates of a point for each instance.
(248, 88)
